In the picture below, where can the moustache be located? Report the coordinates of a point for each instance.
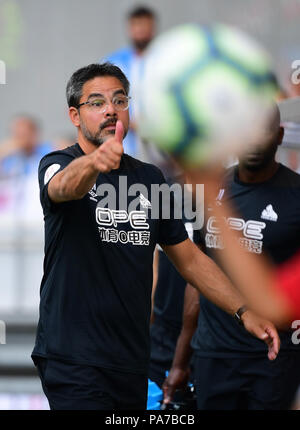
(107, 123)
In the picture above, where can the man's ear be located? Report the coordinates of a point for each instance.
(281, 134)
(74, 116)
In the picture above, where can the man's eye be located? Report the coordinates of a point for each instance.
(98, 103)
(120, 101)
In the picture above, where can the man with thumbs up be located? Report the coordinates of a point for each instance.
(92, 346)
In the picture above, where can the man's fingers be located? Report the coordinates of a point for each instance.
(168, 393)
(271, 338)
(265, 331)
(273, 334)
(112, 152)
(107, 162)
(117, 148)
(111, 148)
(119, 131)
(108, 156)
(273, 342)
(270, 341)
(272, 354)
(260, 333)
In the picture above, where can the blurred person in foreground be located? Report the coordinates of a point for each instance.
(167, 313)
(231, 370)
(167, 309)
(275, 292)
(19, 158)
(92, 346)
(141, 27)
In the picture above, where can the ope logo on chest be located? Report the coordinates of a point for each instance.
(110, 217)
(251, 229)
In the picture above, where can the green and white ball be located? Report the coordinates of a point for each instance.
(206, 92)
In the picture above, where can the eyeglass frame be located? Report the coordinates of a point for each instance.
(106, 104)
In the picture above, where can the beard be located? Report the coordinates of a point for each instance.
(262, 160)
(97, 139)
(141, 45)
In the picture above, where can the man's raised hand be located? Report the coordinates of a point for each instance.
(108, 156)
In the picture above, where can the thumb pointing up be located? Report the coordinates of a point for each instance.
(119, 131)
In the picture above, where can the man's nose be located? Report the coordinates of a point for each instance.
(111, 110)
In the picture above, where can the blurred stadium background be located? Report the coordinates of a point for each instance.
(42, 44)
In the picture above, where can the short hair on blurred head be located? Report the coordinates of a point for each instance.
(141, 11)
(81, 76)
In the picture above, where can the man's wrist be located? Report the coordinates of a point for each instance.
(91, 163)
(238, 315)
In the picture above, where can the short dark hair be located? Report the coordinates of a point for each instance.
(81, 76)
(140, 11)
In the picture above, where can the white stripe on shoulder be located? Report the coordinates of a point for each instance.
(50, 172)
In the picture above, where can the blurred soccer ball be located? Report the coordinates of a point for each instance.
(206, 92)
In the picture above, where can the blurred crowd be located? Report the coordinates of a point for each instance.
(20, 154)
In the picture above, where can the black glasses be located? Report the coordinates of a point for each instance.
(100, 104)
